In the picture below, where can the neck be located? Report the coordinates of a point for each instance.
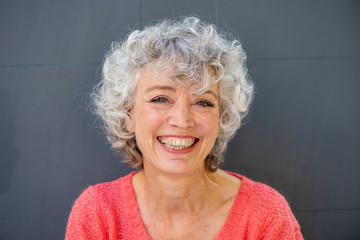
(181, 204)
(178, 194)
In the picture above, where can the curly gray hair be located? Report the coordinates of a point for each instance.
(191, 47)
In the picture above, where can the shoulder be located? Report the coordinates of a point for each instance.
(259, 195)
(278, 221)
(104, 192)
(260, 209)
(94, 209)
(262, 194)
(107, 194)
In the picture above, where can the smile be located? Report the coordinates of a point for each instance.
(177, 143)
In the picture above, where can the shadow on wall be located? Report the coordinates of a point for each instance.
(8, 153)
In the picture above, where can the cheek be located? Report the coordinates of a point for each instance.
(209, 125)
(149, 120)
(147, 124)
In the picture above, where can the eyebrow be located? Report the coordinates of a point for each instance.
(160, 87)
(212, 93)
(172, 89)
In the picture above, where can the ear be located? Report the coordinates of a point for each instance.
(130, 125)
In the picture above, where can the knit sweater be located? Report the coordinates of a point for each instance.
(110, 211)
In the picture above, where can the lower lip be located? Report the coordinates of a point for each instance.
(182, 151)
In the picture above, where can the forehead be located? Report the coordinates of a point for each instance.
(150, 76)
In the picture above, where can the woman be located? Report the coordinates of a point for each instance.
(172, 96)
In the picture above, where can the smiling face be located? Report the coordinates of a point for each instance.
(175, 128)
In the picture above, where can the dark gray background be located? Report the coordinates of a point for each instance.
(302, 137)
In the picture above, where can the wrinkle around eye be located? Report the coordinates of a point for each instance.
(204, 103)
(160, 99)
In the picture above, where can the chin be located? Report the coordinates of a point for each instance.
(178, 167)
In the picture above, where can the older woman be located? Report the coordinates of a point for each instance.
(171, 97)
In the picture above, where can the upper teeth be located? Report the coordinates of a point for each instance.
(177, 143)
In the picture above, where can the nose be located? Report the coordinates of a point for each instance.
(181, 115)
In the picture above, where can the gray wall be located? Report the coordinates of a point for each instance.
(302, 136)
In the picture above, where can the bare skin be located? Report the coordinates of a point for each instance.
(177, 197)
(192, 207)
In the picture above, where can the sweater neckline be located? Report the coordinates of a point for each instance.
(240, 199)
(137, 225)
(132, 209)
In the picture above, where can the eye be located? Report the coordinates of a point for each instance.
(159, 99)
(204, 103)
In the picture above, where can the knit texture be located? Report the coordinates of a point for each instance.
(110, 211)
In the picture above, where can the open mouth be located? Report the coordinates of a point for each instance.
(178, 143)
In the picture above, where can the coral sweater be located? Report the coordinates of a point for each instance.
(110, 211)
